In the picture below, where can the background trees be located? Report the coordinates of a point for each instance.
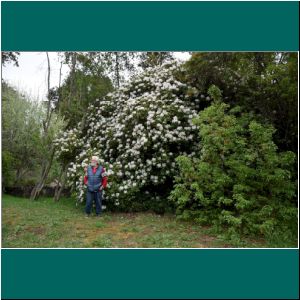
(261, 83)
(153, 59)
(84, 84)
(23, 146)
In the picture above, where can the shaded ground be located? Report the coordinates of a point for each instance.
(46, 224)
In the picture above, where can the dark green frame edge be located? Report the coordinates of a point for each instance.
(150, 26)
(152, 273)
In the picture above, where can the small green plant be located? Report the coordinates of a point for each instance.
(100, 225)
(104, 241)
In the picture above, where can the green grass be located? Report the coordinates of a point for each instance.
(47, 224)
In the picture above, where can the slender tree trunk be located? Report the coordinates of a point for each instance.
(83, 121)
(117, 70)
(48, 84)
(20, 173)
(59, 78)
(73, 69)
(46, 164)
(62, 180)
(58, 185)
(59, 85)
(48, 115)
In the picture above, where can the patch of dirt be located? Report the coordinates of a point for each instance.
(227, 246)
(258, 242)
(130, 244)
(9, 222)
(204, 241)
(125, 215)
(79, 227)
(112, 228)
(118, 231)
(199, 245)
(207, 239)
(36, 230)
(10, 216)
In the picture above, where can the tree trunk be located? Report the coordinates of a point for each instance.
(59, 79)
(117, 70)
(72, 83)
(46, 165)
(35, 193)
(19, 174)
(59, 89)
(62, 180)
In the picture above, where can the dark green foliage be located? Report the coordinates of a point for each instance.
(73, 101)
(8, 174)
(264, 84)
(239, 182)
(150, 198)
(85, 83)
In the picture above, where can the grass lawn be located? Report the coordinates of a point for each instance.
(48, 224)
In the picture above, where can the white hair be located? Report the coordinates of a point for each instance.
(96, 158)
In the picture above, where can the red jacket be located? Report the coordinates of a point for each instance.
(104, 179)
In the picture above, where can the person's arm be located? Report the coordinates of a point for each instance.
(85, 179)
(104, 178)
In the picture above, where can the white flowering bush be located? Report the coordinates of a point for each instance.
(137, 131)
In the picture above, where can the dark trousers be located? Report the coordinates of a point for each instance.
(93, 196)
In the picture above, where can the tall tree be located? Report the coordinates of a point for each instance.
(47, 161)
(85, 83)
(119, 65)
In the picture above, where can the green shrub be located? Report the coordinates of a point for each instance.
(239, 182)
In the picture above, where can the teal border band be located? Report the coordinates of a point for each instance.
(129, 273)
(146, 26)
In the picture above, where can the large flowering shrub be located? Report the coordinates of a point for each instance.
(137, 131)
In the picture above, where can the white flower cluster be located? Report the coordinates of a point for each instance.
(137, 131)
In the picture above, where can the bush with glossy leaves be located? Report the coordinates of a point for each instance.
(238, 181)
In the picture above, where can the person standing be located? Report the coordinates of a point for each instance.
(96, 180)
